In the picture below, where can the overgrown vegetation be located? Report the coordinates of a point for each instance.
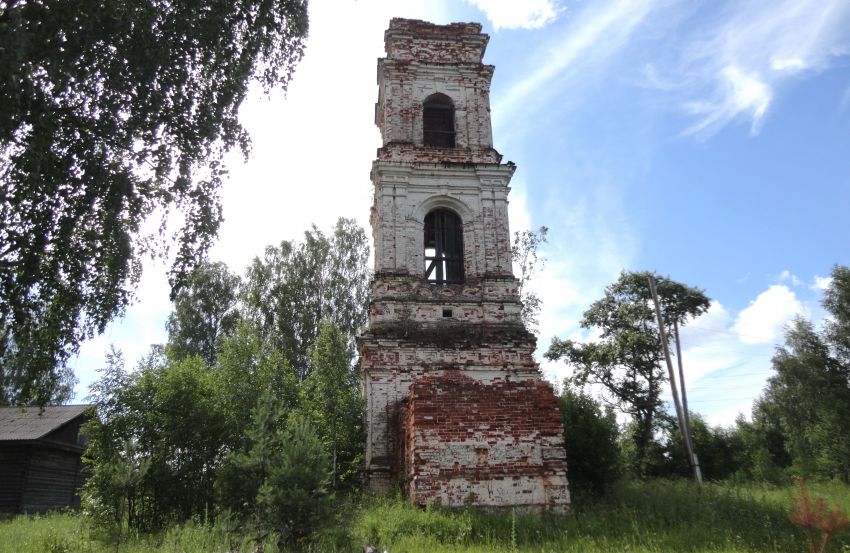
(656, 516)
(627, 359)
(798, 426)
(819, 521)
(251, 414)
(245, 430)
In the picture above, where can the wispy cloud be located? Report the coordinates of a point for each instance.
(732, 69)
(845, 100)
(509, 14)
(723, 372)
(593, 35)
(788, 276)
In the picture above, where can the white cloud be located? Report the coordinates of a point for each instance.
(510, 14)
(733, 69)
(722, 374)
(821, 283)
(763, 320)
(787, 276)
(739, 93)
(706, 327)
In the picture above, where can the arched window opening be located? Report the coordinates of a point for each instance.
(438, 121)
(443, 247)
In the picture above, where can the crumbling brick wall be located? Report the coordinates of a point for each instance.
(497, 444)
(456, 408)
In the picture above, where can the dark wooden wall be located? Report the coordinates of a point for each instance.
(40, 475)
(52, 478)
(12, 468)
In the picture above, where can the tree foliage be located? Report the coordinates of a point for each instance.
(836, 300)
(527, 259)
(204, 311)
(278, 480)
(246, 365)
(294, 493)
(245, 469)
(111, 112)
(333, 401)
(295, 286)
(627, 360)
(808, 397)
(212, 415)
(721, 451)
(168, 411)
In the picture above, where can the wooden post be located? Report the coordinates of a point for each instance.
(672, 375)
(694, 459)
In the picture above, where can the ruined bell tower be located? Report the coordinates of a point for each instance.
(457, 413)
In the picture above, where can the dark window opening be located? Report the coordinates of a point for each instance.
(438, 121)
(443, 247)
(447, 313)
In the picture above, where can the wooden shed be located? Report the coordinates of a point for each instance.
(40, 457)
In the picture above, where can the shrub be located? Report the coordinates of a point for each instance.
(591, 441)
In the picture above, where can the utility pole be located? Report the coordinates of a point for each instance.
(695, 464)
(673, 387)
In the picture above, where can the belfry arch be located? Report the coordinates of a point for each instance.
(443, 241)
(438, 121)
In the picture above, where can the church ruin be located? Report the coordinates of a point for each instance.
(457, 412)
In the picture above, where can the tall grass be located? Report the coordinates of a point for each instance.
(657, 516)
(653, 517)
(70, 533)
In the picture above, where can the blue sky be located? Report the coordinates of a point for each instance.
(708, 141)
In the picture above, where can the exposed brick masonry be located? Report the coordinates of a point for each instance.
(456, 409)
(491, 444)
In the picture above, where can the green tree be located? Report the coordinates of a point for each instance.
(800, 422)
(719, 450)
(246, 364)
(836, 300)
(590, 436)
(204, 311)
(333, 401)
(111, 113)
(526, 257)
(294, 496)
(297, 285)
(627, 360)
(245, 469)
(112, 490)
(168, 410)
(762, 455)
(809, 396)
(279, 480)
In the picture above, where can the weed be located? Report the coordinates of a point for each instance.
(818, 521)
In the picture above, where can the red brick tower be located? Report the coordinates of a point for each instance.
(457, 412)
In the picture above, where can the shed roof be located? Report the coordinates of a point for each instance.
(33, 423)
